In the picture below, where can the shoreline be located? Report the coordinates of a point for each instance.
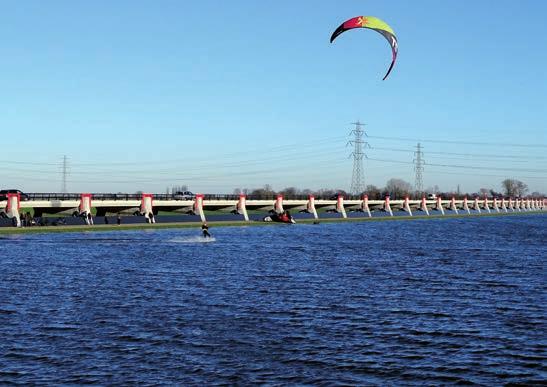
(229, 223)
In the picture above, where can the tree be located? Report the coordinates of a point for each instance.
(514, 188)
(373, 192)
(263, 193)
(289, 192)
(398, 188)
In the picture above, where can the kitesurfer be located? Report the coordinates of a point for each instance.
(205, 230)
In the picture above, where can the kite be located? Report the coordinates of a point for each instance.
(375, 24)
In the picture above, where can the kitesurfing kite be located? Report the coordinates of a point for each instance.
(372, 23)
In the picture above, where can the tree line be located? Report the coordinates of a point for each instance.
(395, 188)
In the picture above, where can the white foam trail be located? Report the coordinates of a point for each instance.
(192, 239)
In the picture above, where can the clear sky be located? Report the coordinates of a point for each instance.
(219, 95)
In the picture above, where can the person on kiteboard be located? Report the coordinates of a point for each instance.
(205, 230)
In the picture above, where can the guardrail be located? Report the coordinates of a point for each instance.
(163, 196)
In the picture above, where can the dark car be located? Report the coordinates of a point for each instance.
(4, 194)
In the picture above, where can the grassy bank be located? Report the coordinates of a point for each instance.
(144, 226)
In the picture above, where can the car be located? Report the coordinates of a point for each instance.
(4, 194)
(184, 195)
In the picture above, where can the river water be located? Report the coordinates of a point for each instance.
(438, 301)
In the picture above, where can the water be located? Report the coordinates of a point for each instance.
(405, 302)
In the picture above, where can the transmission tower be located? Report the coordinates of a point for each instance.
(65, 173)
(358, 177)
(419, 168)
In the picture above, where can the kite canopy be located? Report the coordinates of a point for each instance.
(375, 24)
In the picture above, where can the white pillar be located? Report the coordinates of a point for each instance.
(476, 206)
(387, 206)
(310, 206)
(485, 204)
(13, 207)
(147, 207)
(406, 206)
(439, 205)
(365, 207)
(503, 205)
(466, 205)
(423, 206)
(84, 209)
(198, 207)
(495, 204)
(340, 206)
(241, 207)
(453, 206)
(278, 204)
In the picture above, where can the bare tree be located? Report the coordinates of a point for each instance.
(373, 192)
(263, 193)
(513, 187)
(289, 192)
(398, 188)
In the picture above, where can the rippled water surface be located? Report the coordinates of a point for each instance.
(400, 302)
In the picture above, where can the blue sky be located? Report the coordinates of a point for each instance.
(220, 95)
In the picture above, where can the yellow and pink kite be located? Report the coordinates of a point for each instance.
(375, 24)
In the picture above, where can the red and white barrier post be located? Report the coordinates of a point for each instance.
(406, 206)
(13, 207)
(495, 204)
(503, 205)
(340, 206)
(387, 206)
(198, 207)
(439, 205)
(476, 205)
(84, 209)
(147, 207)
(365, 207)
(278, 204)
(466, 205)
(423, 206)
(310, 206)
(241, 207)
(485, 204)
(453, 206)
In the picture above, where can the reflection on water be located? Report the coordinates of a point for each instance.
(421, 302)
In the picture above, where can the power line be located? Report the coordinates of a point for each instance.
(463, 166)
(462, 142)
(495, 156)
